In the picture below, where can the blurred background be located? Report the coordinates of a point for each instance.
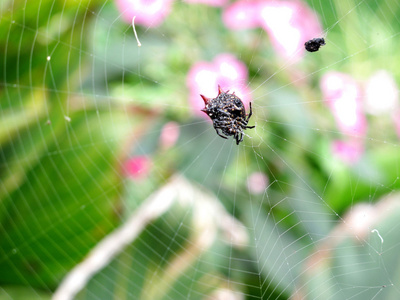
(114, 185)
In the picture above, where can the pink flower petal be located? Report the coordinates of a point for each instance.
(137, 167)
(343, 96)
(381, 93)
(242, 14)
(150, 13)
(289, 24)
(349, 152)
(201, 79)
(231, 69)
(225, 70)
(169, 135)
(257, 183)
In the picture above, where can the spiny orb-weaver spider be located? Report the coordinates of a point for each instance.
(228, 114)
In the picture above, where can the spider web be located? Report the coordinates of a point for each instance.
(98, 200)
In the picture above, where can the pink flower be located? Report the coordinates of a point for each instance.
(150, 13)
(169, 135)
(289, 24)
(242, 14)
(225, 70)
(209, 2)
(137, 167)
(343, 96)
(349, 152)
(381, 93)
(257, 183)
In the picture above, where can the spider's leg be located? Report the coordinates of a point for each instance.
(241, 123)
(216, 130)
(244, 124)
(239, 138)
(250, 113)
(224, 137)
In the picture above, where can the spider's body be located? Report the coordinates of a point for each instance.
(314, 44)
(228, 114)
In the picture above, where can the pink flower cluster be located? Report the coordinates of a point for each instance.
(150, 13)
(349, 151)
(343, 96)
(225, 70)
(288, 23)
(349, 102)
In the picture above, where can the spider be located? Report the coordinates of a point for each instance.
(228, 114)
(314, 44)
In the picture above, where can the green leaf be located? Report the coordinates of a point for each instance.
(22, 293)
(65, 196)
